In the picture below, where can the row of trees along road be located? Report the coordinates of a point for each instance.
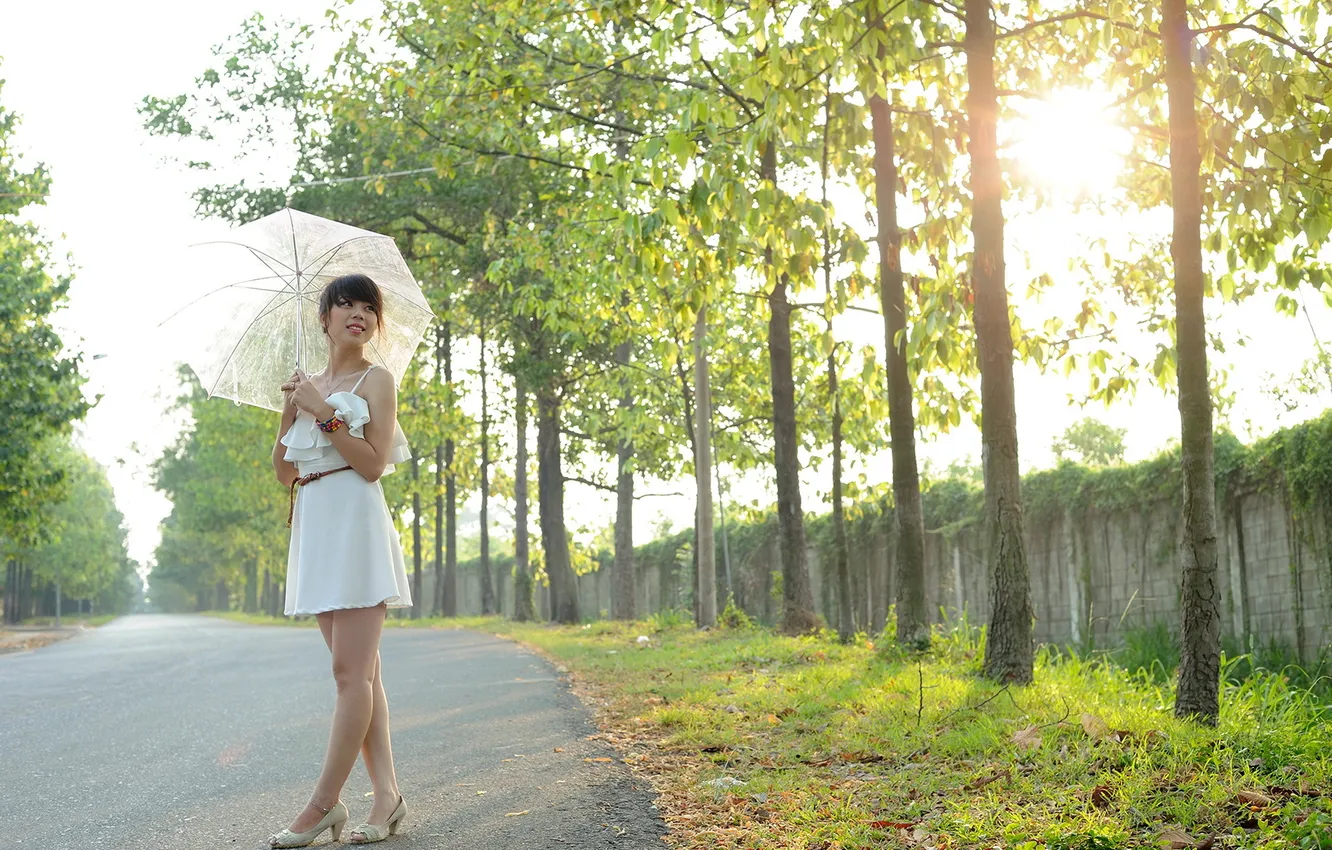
(60, 533)
(624, 206)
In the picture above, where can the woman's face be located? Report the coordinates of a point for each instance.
(351, 322)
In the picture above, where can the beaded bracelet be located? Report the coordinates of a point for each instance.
(332, 424)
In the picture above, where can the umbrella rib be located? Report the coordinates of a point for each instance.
(271, 307)
(249, 248)
(264, 311)
(237, 285)
(344, 242)
(331, 254)
(260, 256)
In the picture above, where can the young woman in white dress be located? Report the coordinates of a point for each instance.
(338, 435)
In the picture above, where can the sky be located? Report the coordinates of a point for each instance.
(76, 70)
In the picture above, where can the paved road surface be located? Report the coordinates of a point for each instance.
(186, 732)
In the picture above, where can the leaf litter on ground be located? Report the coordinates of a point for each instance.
(875, 747)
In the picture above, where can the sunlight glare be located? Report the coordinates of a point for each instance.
(1067, 143)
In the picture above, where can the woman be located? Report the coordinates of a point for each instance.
(339, 434)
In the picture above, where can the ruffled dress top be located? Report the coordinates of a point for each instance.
(345, 551)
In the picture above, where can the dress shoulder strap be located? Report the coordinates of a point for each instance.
(362, 378)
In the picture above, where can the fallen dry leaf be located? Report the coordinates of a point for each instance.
(1100, 796)
(1255, 798)
(1175, 838)
(890, 824)
(1094, 726)
(977, 784)
(599, 759)
(1028, 739)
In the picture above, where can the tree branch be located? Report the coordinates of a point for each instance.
(431, 227)
(745, 102)
(596, 122)
(1298, 48)
(574, 479)
(945, 7)
(571, 166)
(638, 496)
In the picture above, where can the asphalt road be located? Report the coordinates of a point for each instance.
(184, 732)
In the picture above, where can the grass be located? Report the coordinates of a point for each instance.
(759, 741)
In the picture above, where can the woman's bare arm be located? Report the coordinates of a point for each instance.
(369, 456)
(285, 469)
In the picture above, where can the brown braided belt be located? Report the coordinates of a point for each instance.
(301, 482)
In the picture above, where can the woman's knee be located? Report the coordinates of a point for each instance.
(348, 675)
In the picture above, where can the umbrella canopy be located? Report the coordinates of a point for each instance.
(258, 317)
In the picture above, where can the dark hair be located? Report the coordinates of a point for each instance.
(353, 287)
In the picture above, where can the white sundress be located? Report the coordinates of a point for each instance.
(345, 551)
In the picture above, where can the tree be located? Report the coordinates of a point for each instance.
(1091, 442)
(705, 543)
(524, 609)
(1197, 693)
(84, 554)
(1237, 152)
(908, 514)
(226, 526)
(39, 384)
(1009, 650)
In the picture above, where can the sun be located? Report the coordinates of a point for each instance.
(1068, 143)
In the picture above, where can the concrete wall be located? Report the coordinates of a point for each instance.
(1093, 576)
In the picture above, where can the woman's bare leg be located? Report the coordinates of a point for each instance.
(377, 752)
(353, 637)
(377, 749)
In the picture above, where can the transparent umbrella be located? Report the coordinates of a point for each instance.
(257, 317)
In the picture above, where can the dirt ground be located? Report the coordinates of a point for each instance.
(24, 638)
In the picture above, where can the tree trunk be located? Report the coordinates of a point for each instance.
(623, 592)
(705, 544)
(487, 585)
(687, 399)
(439, 483)
(846, 628)
(417, 601)
(251, 586)
(798, 615)
(449, 590)
(550, 489)
(523, 602)
(438, 601)
(11, 592)
(623, 584)
(913, 628)
(725, 539)
(1200, 635)
(1009, 652)
(25, 592)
